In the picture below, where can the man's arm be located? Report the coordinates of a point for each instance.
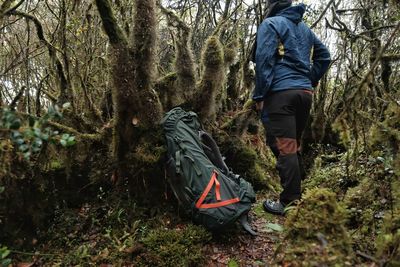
(321, 60)
(267, 44)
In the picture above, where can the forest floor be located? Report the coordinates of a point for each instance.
(246, 250)
(104, 235)
(113, 230)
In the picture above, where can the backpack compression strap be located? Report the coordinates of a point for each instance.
(199, 203)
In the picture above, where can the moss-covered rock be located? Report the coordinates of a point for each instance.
(316, 232)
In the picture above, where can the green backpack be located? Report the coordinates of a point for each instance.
(204, 186)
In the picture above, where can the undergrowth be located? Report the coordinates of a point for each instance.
(116, 230)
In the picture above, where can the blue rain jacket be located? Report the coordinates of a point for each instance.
(288, 54)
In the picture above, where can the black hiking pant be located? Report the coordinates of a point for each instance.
(285, 115)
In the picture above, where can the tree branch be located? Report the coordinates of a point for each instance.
(374, 65)
(111, 27)
(65, 94)
(17, 98)
(322, 14)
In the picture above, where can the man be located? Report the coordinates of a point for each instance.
(290, 60)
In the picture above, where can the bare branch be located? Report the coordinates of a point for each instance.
(322, 14)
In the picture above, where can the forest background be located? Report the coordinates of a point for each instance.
(84, 84)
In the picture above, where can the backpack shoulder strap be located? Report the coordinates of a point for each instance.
(211, 149)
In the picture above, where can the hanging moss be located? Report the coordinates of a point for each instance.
(316, 232)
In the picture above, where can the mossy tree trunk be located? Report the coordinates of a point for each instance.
(136, 106)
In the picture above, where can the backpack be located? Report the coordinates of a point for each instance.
(204, 186)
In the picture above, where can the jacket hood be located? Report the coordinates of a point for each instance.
(293, 13)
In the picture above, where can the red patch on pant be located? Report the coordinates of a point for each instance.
(286, 146)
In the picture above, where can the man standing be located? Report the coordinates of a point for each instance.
(290, 60)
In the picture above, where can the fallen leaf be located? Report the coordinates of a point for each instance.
(275, 227)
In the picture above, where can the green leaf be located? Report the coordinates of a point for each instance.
(275, 227)
(233, 263)
(29, 133)
(36, 149)
(19, 141)
(71, 141)
(51, 111)
(27, 155)
(5, 252)
(57, 113)
(65, 136)
(23, 147)
(45, 137)
(37, 142)
(6, 262)
(31, 120)
(15, 125)
(15, 134)
(2, 189)
(63, 142)
(37, 132)
(66, 105)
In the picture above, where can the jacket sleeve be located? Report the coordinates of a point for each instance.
(267, 45)
(321, 59)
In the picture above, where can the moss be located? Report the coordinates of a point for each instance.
(6, 157)
(148, 107)
(316, 232)
(234, 85)
(388, 242)
(114, 32)
(213, 56)
(208, 93)
(332, 175)
(165, 87)
(175, 247)
(147, 154)
(56, 164)
(249, 75)
(231, 52)
(245, 161)
(184, 64)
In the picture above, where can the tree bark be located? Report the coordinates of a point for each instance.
(137, 108)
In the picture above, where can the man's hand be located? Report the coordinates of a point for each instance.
(259, 105)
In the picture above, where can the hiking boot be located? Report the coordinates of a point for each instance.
(274, 207)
